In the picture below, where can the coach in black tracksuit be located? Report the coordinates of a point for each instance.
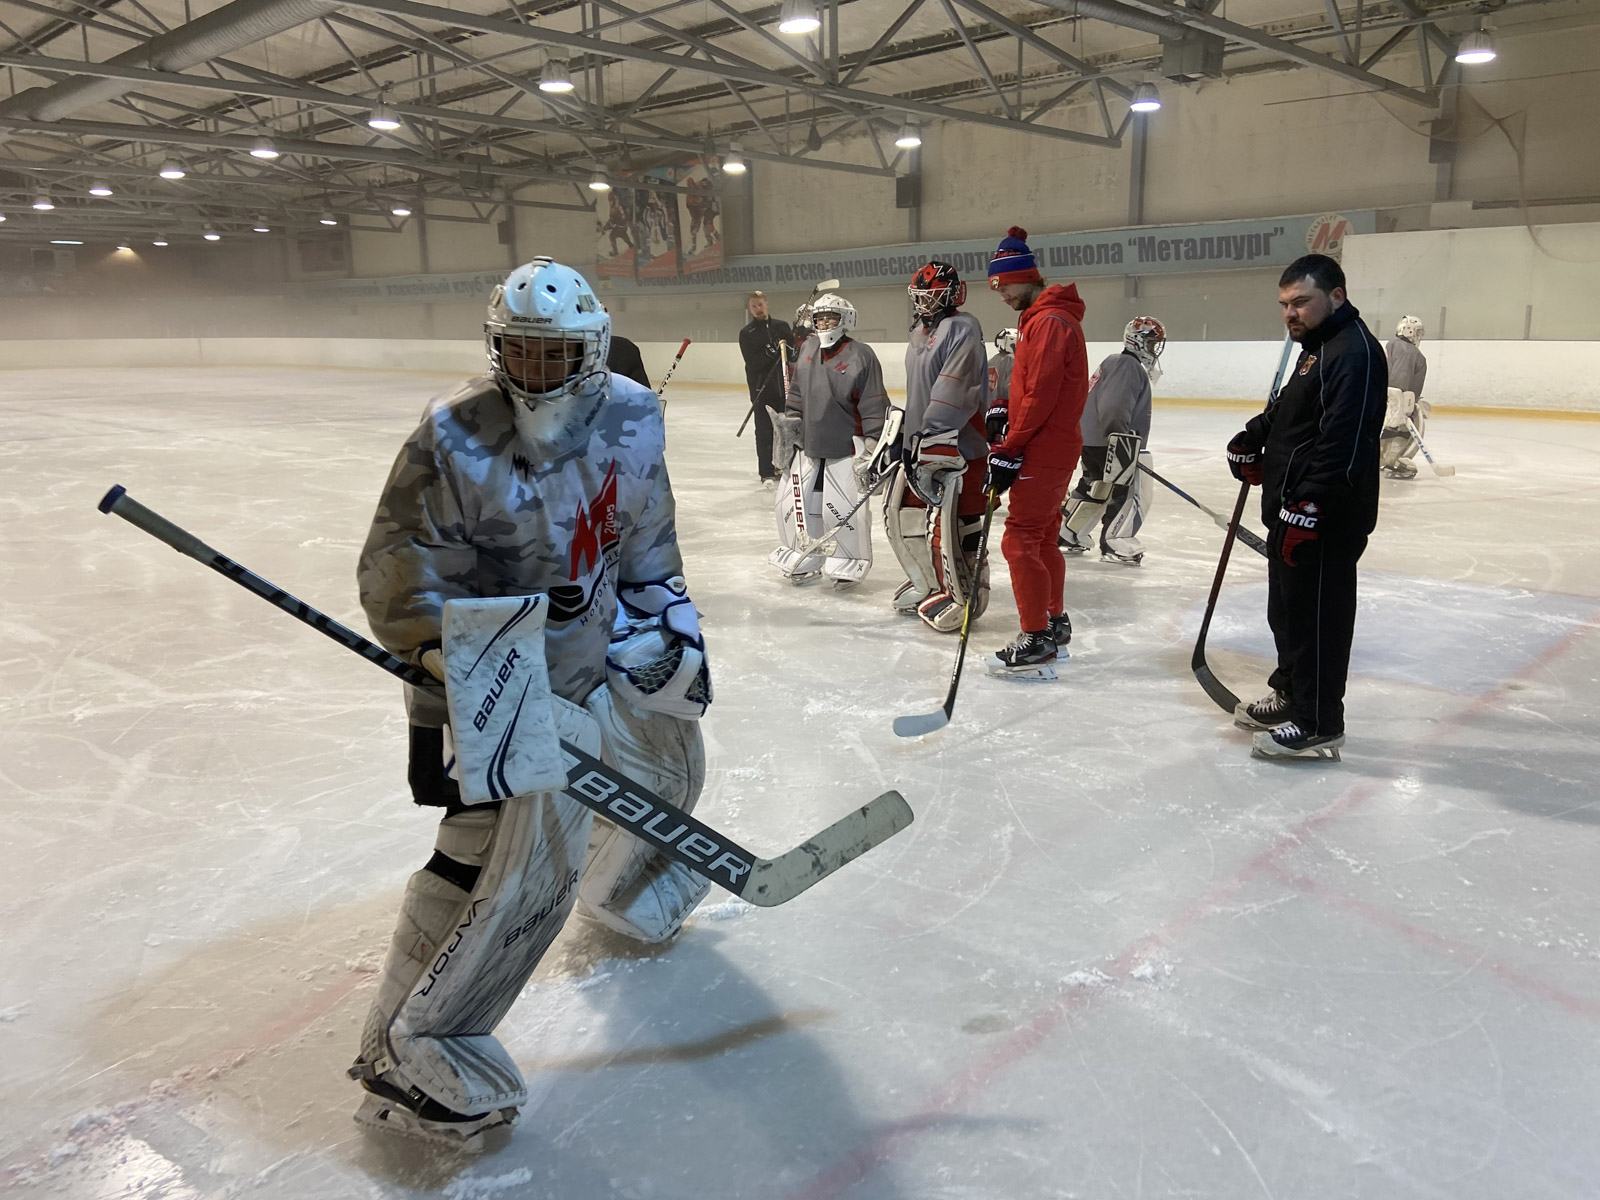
(1314, 451)
(759, 343)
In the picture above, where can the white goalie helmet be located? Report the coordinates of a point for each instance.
(1006, 341)
(547, 334)
(657, 658)
(832, 302)
(1409, 329)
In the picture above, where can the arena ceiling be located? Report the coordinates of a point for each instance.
(109, 91)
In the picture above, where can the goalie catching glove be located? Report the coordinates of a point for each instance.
(657, 658)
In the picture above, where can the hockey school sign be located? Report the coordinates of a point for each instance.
(1148, 250)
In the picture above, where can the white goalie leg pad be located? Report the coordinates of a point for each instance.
(907, 529)
(1122, 530)
(956, 549)
(794, 555)
(851, 556)
(628, 885)
(460, 957)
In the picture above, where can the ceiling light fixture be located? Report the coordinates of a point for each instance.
(383, 117)
(599, 183)
(261, 225)
(1476, 48)
(909, 138)
(400, 210)
(2, 218)
(798, 17)
(65, 242)
(1145, 99)
(733, 161)
(555, 77)
(172, 169)
(99, 188)
(43, 203)
(211, 235)
(159, 242)
(263, 148)
(126, 249)
(328, 218)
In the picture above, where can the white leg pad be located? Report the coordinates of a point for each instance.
(907, 529)
(851, 557)
(459, 959)
(627, 885)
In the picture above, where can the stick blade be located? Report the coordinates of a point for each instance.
(1214, 687)
(1443, 470)
(779, 880)
(916, 726)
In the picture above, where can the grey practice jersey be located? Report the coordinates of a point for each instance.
(471, 510)
(947, 382)
(1000, 376)
(1119, 401)
(1407, 367)
(838, 397)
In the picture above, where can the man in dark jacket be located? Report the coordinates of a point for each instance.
(760, 342)
(624, 359)
(1314, 451)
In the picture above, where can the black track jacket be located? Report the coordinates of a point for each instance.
(1319, 437)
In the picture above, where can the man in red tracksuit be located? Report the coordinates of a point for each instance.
(1036, 457)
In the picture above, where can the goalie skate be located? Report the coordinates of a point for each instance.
(387, 1109)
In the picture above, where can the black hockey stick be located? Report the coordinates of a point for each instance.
(916, 726)
(1214, 687)
(592, 783)
(1246, 536)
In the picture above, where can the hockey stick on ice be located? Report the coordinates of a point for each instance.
(1246, 536)
(1438, 468)
(592, 783)
(1214, 687)
(916, 726)
(676, 359)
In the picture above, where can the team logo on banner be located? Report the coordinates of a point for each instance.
(1327, 234)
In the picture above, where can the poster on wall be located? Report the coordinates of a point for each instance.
(702, 210)
(655, 215)
(614, 247)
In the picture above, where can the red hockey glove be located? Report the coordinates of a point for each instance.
(1297, 531)
(1244, 460)
(1004, 466)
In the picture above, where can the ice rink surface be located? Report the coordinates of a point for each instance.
(1114, 957)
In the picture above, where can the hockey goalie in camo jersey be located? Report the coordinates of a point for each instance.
(1111, 489)
(933, 510)
(825, 442)
(544, 476)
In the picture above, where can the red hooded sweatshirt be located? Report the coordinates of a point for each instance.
(1049, 381)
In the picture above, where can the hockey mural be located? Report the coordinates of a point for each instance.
(703, 210)
(615, 249)
(656, 226)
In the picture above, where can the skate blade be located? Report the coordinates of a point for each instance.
(378, 1113)
(1319, 754)
(1042, 673)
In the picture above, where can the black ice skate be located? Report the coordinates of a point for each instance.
(1265, 713)
(1030, 656)
(1061, 630)
(1290, 741)
(414, 1114)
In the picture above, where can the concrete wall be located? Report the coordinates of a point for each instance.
(1554, 376)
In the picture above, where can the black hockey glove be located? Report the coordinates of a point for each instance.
(1004, 466)
(996, 421)
(1244, 460)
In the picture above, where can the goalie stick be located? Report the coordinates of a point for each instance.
(1204, 675)
(590, 782)
(676, 359)
(921, 723)
(1438, 469)
(1246, 536)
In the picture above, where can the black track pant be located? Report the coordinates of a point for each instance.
(1312, 612)
(763, 423)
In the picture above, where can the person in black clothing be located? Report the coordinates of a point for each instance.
(758, 342)
(1314, 451)
(625, 359)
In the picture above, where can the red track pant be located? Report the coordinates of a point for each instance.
(1033, 522)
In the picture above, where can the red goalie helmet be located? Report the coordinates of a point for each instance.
(936, 290)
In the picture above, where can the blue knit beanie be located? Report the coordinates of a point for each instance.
(1013, 262)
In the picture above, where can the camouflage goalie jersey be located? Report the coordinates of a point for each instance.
(471, 509)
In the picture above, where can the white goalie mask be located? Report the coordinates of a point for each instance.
(547, 334)
(1146, 339)
(832, 302)
(1409, 329)
(1006, 341)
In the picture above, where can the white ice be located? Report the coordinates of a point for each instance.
(1114, 956)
